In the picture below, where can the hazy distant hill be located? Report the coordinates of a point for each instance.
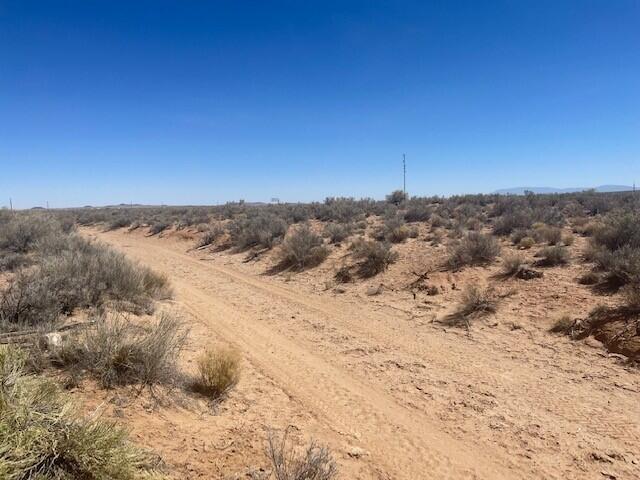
(601, 188)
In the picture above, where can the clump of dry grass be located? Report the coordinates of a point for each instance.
(563, 325)
(526, 243)
(553, 256)
(119, 352)
(512, 264)
(474, 302)
(314, 463)
(218, 372)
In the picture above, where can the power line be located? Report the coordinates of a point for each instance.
(404, 175)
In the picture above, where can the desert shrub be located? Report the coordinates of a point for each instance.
(622, 266)
(475, 249)
(414, 232)
(210, 235)
(11, 261)
(343, 274)
(417, 213)
(589, 278)
(552, 256)
(42, 435)
(548, 234)
(396, 197)
(314, 463)
(158, 227)
(119, 222)
(568, 239)
(218, 372)
(119, 352)
(619, 231)
(476, 300)
(302, 248)
(394, 230)
(338, 232)
(508, 222)
(375, 257)
(631, 294)
(437, 221)
(262, 229)
(563, 325)
(526, 243)
(76, 273)
(22, 233)
(511, 264)
(518, 234)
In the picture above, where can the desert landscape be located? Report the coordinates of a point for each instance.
(334, 240)
(481, 336)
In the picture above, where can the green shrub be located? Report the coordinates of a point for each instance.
(374, 256)
(260, 230)
(338, 232)
(475, 249)
(526, 243)
(302, 249)
(396, 197)
(74, 273)
(552, 256)
(42, 435)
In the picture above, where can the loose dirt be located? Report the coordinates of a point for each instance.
(394, 394)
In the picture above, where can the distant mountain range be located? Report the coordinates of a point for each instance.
(601, 188)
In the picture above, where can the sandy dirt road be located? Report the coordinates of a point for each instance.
(403, 399)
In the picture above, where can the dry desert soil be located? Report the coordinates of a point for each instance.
(394, 393)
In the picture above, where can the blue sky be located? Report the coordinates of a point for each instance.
(199, 102)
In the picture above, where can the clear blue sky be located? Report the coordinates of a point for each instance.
(206, 101)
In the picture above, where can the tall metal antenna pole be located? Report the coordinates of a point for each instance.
(10, 204)
(404, 175)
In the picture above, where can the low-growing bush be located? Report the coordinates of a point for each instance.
(394, 230)
(476, 300)
(526, 243)
(622, 266)
(43, 436)
(338, 232)
(396, 197)
(511, 264)
(563, 325)
(218, 372)
(619, 231)
(475, 249)
(552, 256)
(548, 234)
(302, 249)
(314, 463)
(158, 227)
(260, 230)
(374, 256)
(209, 236)
(75, 273)
(119, 352)
(417, 213)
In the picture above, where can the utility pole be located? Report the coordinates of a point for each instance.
(404, 175)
